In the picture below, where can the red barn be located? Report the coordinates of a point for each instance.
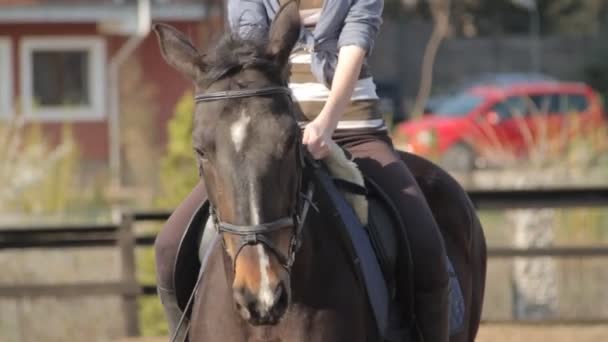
(61, 61)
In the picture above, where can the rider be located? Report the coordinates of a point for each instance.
(335, 91)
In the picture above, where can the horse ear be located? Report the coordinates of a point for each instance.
(284, 32)
(178, 51)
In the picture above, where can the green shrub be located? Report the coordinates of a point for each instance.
(39, 177)
(178, 174)
(151, 317)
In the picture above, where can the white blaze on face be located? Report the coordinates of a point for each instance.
(254, 209)
(238, 131)
(266, 296)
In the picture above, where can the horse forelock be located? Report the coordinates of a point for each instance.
(233, 54)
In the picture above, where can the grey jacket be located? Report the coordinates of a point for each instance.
(342, 22)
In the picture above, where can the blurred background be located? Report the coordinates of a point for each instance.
(508, 95)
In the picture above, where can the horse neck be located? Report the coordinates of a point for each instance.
(306, 258)
(321, 254)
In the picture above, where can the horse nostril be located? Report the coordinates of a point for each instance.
(282, 295)
(282, 300)
(279, 291)
(242, 302)
(258, 312)
(243, 311)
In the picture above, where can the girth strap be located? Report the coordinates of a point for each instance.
(360, 249)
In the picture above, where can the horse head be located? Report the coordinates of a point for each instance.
(248, 147)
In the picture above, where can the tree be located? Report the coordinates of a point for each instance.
(484, 17)
(440, 11)
(596, 68)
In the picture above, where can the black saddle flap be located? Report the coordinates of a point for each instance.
(389, 238)
(381, 230)
(187, 263)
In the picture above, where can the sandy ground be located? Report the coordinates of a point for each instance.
(530, 333)
(512, 333)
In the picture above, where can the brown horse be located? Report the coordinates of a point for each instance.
(280, 274)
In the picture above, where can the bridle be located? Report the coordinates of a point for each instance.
(254, 234)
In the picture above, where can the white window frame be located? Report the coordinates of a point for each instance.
(96, 47)
(6, 85)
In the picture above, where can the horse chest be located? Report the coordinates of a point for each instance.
(328, 316)
(308, 325)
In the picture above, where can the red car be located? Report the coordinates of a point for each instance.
(487, 123)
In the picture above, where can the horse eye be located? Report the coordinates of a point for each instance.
(200, 153)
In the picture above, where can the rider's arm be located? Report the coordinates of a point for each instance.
(247, 18)
(356, 40)
(362, 24)
(350, 60)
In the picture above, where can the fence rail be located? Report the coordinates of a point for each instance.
(70, 290)
(539, 198)
(121, 235)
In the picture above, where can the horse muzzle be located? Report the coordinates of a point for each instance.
(263, 308)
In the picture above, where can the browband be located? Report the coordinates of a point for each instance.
(238, 94)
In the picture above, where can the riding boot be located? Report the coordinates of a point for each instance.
(173, 313)
(432, 314)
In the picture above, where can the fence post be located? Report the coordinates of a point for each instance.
(535, 283)
(126, 242)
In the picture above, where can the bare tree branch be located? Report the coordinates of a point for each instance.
(440, 11)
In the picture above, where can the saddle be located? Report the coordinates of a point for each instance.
(383, 231)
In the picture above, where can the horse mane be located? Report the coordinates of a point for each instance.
(232, 54)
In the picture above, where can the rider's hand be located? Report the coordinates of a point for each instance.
(317, 137)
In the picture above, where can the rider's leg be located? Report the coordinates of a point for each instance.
(165, 248)
(375, 156)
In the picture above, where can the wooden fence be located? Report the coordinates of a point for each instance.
(123, 237)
